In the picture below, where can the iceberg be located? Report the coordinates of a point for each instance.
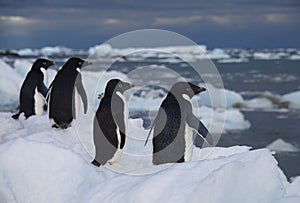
(218, 54)
(10, 84)
(293, 98)
(266, 56)
(22, 66)
(41, 164)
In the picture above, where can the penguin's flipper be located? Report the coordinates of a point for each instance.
(48, 93)
(81, 91)
(199, 127)
(152, 126)
(42, 89)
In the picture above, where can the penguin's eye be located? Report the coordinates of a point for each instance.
(120, 85)
(79, 63)
(44, 63)
(188, 89)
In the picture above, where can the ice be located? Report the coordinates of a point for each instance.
(22, 66)
(218, 120)
(10, 84)
(213, 97)
(218, 54)
(259, 103)
(187, 53)
(266, 56)
(27, 52)
(234, 60)
(294, 57)
(293, 98)
(41, 164)
(56, 50)
(280, 145)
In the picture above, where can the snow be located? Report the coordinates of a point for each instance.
(293, 98)
(41, 164)
(10, 84)
(280, 145)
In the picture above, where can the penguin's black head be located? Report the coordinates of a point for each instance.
(116, 85)
(77, 63)
(186, 88)
(42, 63)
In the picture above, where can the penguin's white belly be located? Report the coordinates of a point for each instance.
(188, 137)
(77, 102)
(118, 153)
(38, 102)
(125, 110)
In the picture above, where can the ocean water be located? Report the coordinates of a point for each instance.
(252, 79)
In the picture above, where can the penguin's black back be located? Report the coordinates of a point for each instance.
(31, 82)
(61, 98)
(105, 128)
(169, 130)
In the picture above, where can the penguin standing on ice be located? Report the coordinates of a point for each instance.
(33, 90)
(109, 123)
(64, 91)
(174, 124)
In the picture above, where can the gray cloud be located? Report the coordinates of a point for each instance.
(76, 23)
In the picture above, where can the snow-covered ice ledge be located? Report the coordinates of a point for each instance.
(40, 164)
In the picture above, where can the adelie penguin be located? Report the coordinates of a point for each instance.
(174, 124)
(64, 91)
(109, 129)
(33, 90)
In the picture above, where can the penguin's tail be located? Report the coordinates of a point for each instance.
(96, 163)
(16, 116)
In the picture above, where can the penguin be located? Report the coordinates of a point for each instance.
(109, 128)
(64, 91)
(174, 124)
(33, 90)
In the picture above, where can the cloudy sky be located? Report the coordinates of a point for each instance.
(216, 23)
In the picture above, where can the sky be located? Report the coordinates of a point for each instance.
(216, 23)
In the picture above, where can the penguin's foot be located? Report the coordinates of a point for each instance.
(96, 163)
(16, 116)
(55, 126)
(117, 164)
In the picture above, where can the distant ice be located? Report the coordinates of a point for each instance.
(259, 103)
(280, 145)
(266, 56)
(294, 57)
(218, 54)
(222, 120)
(293, 98)
(234, 60)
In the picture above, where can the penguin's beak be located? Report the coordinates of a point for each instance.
(86, 63)
(131, 85)
(199, 89)
(53, 63)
